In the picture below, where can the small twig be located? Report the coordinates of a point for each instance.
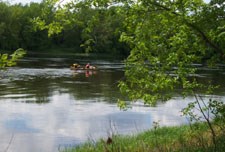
(10, 142)
(207, 120)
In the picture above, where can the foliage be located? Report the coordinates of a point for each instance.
(7, 61)
(50, 25)
(167, 38)
(97, 30)
(16, 28)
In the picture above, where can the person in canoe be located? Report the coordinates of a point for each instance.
(89, 67)
(75, 66)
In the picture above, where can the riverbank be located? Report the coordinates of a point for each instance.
(69, 53)
(186, 138)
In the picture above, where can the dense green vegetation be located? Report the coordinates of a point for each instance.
(18, 29)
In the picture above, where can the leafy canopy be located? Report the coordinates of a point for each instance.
(167, 38)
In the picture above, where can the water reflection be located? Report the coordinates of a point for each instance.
(67, 121)
(44, 109)
(37, 85)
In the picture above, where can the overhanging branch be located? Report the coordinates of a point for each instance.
(194, 27)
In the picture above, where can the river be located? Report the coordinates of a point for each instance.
(45, 106)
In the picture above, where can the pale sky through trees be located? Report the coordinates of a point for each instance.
(24, 1)
(28, 1)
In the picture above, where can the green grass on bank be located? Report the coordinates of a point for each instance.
(166, 139)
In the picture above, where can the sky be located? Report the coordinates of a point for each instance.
(24, 1)
(28, 1)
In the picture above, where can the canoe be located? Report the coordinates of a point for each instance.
(81, 68)
(78, 67)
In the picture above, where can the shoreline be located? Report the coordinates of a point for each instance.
(196, 137)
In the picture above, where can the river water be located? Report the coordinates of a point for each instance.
(44, 106)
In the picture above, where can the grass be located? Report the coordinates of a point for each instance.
(166, 139)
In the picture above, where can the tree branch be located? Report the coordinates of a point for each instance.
(194, 27)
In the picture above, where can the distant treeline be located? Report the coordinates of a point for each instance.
(17, 30)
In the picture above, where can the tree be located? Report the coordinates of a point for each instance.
(167, 38)
(17, 29)
(95, 29)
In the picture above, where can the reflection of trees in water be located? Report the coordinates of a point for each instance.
(98, 86)
(215, 77)
(206, 76)
(101, 85)
(36, 90)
